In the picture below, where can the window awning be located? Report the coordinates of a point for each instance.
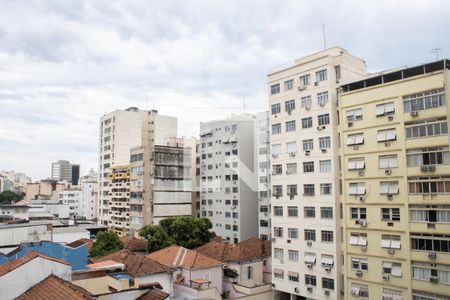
(327, 260)
(385, 243)
(278, 271)
(395, 244)
(387, 265)
(230, 273)
(293, 274)
(310, 259)
(354, 240)
(396, 271)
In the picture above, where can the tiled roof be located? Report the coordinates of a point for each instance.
(250, 249)
(54, 288)
(136, 265)
(78, 243)
(154, 294)
(134, 244)
(14, 264)
(176, 256)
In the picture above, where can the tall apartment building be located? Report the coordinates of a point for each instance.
(119, 195)
(62, 170)
(89, 186)
(396, 181)
(75, 174)
(228, 177)
(120, 131)
(262, 149)
(305, 173)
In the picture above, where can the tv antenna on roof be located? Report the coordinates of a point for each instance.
(436, 50)
(324, 39)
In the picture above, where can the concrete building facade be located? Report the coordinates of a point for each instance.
(395, 166)
(228, 177)
(305, 173)
(62, 170)
(264, 177)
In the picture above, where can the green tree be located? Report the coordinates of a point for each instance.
(105, 243)
(188, 232)
(156, 237)
(9, 197)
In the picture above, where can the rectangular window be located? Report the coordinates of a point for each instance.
(385, 109)
(390, 241)
(289, 84)
(358, 239)
(278, 253)
(327, 236)
(293, 255)
(326, 212)
(278, 211)
(306, 102)
(278, 231)
(429, 185)
(275, 89)
(290, 126)
(308, 167)
(325, 189)
(424, 100)
(355, 139)
(264, 208)
(310, 235)
(358, 213)
(354, 115)
(310, 280)
(304, 80)
(427, 156)
(323, 119)
(388, 161)
(308, 190)
(392, 269)
(308, 145)
(325, 166)
(324, 142)
(292, 211)
(361, 290)
(276, 149)
(291, 189)
(292, 233)
(276, 108)
(277, 190)
(322, 98)
(328, 283)
(432, 127)
(356, 163)
(309, 211)
(430, 242)
(337, 71)
(291, 168)
(278, 273)
(389, 188)
(277, 169)
(307, 123)
(321, 75)
(291, 147)
(289, 105)
(357, 188)
(360, 264)
(386, 135)
(390, 214)
(276, 128)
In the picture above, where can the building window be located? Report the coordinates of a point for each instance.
(278, 211)
(390, 241)
(354, 115)
(278, 273)
(293, 255)
(389, 188)
(292, 211)
(309, 211)
(289, 85)
(275, 89)
(291, 189)
(310, 280)
(264, 209)
(425, 100)
(276, 108)
(337, 71)
(385, 109)
(360, 264)
(308, 189)
(427, 156)
(291, 147)
(326, 212)
(277, 169)
(430, 242)
(310, 234)
(390, 214)
(277, 190)
(386, 135)
(276, 128)
(434, 214)
(308, 167)
(307, 123)
(358, 239)
(290, 126)
(321, 75)
(429, 185)
(304, 80)
(292, 233)
(323, 119)
(276, 149)
(327, 236)
(428, 272)
(358, 213)
(325, 166)
(395, 294)
(322, 98)
(289, 105)
(392, 269)
(306, 102)
(355, 139)
(388, 161)
(291, 168)
(278, 231)
(360, 290)
(432, 127)
(278, 253)
(324, 142)
(328, 283)
(357, 163)
(357, 188)
(249, 272)
(325, 189)
(308, 145)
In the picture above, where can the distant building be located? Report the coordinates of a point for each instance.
(62, 170)
(75, 174)
(45, 189)
(89, 186)
(12, 181)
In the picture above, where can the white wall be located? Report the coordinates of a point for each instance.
(16, 235)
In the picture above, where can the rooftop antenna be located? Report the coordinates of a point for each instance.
(324, 39)
(436, 50)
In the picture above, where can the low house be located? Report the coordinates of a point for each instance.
(137, 246)
(247, 269)
(195, 275)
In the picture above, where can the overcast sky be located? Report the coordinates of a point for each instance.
(65, 63)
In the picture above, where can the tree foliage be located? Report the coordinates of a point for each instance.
(188, 232)
(9, 197)
(105, 243)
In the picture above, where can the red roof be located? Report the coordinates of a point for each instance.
(134, 244)
(177, 256)
(14, 264)
(154, 294)
(78, 243)
(54, 288)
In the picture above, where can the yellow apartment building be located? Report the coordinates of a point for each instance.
(119, 195)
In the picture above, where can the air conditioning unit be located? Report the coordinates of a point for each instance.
(292, 154)
(359, 273)
(327, 269)
(388, 171)
(274, 155)
(326, 293)
(390, 197)
(308, 107)
(324, 150)
(363, 248)
(361, 172)
(309, 289)
(350, 124)
(291, 195)
(355, 293)
(274, 240)
(288, 241)
(309, 266)
(363, 223)
(309, 243)
(387, 144)
(321, 127)
(391, 251)
(361, 198)
(390, 118)
(307, 152)
(431, 168)
(301, 88)
(414, 113)
(386, 276)
(434, 279)
(432, 255)
(316, 83)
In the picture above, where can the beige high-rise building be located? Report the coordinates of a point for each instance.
(396, 184)
(119, 195)
(304, 140)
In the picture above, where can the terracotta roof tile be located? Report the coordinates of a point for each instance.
(154, 294)
(250, 249)
(176, 256)
(14, 264)
(134, 244)
(54, 288)
(78, 243)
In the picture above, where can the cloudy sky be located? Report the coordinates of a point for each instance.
(65, 63)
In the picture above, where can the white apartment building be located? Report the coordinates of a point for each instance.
(73, 198)
(16, 182)
(305, 173)
(62, 170)
(120, 131)
(262, 149)
(89, 187)
(228, 177)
